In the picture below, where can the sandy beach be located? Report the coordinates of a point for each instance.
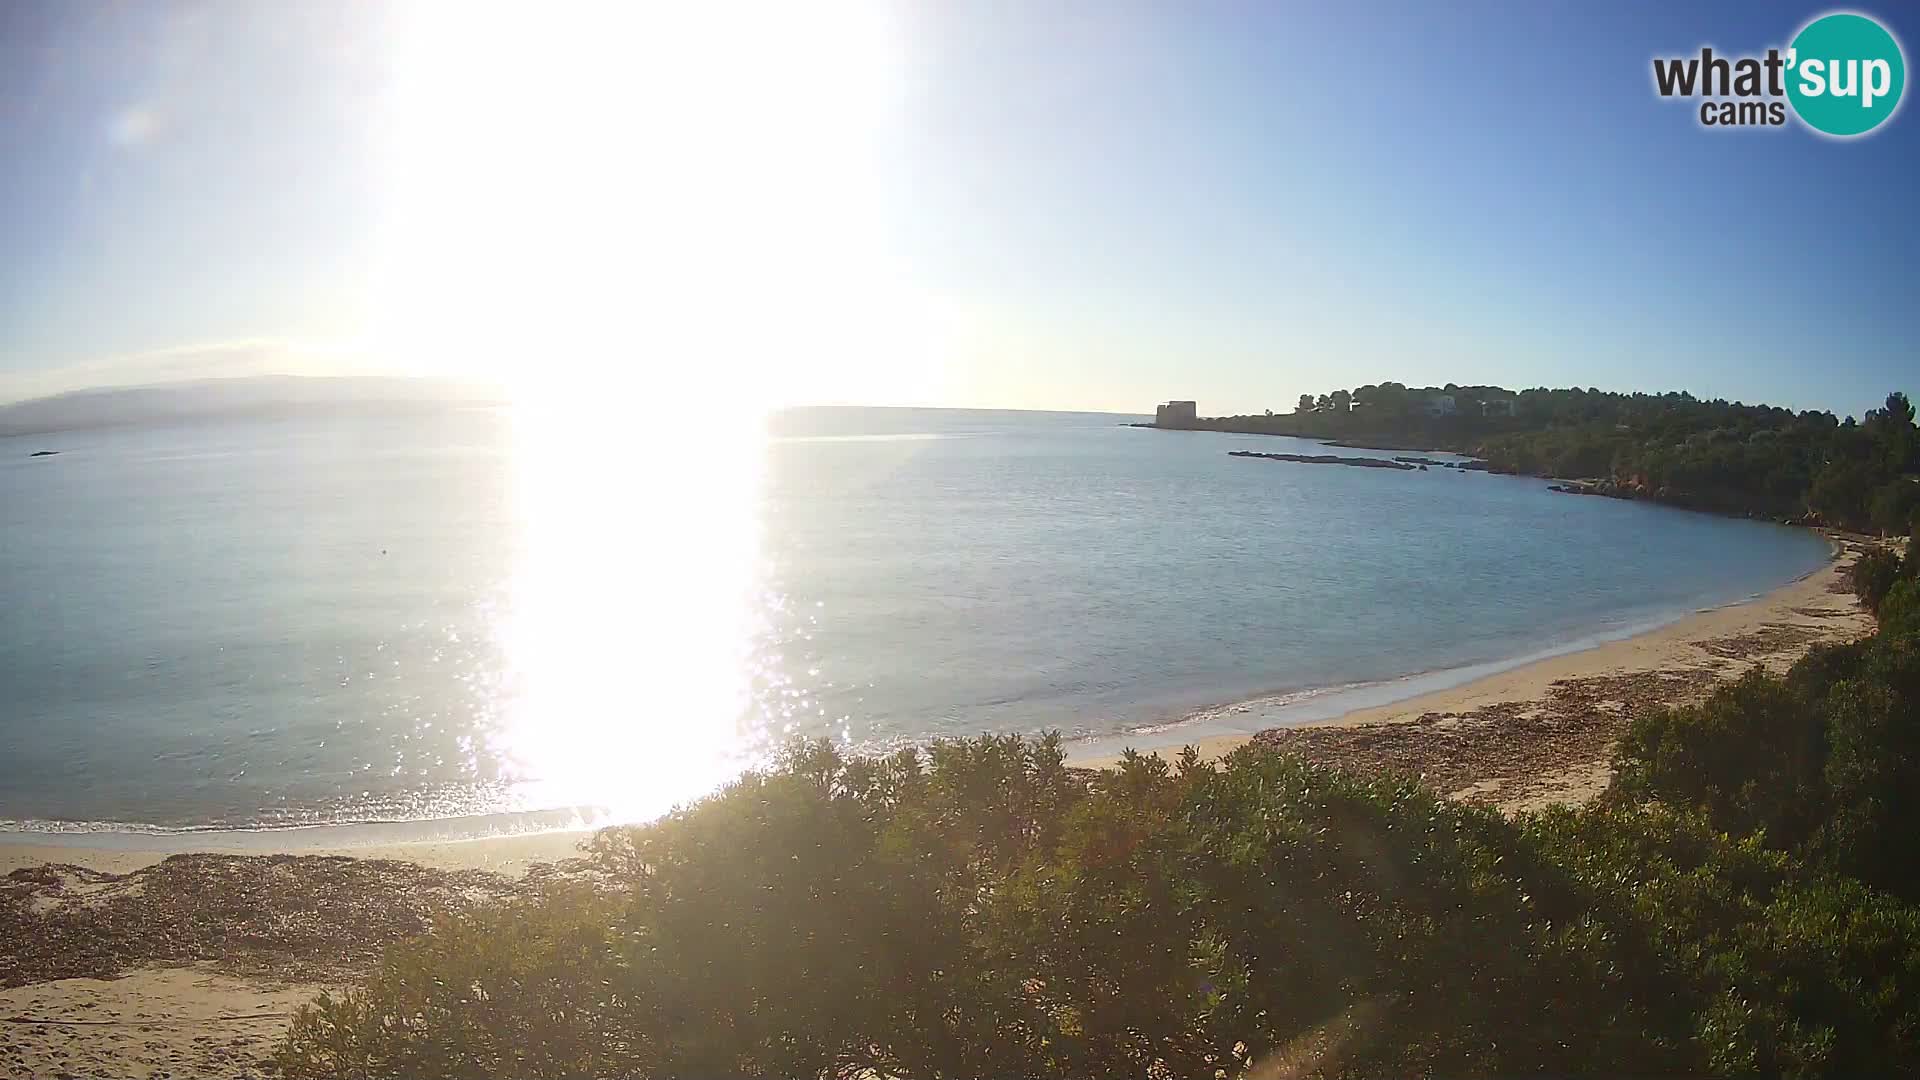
(114, 966)
(1541, 733)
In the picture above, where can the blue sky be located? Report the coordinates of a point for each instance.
(1077, 205)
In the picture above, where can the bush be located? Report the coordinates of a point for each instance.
(1750, 757)
(520, 990)
(1900, 610)
(1895, 504)
(1781, 972)
(1873, 774)
(983, 911)
(1826, 665)
(1842, 493)
(1824, 763)
(1873, 575)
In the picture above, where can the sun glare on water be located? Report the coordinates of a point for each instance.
(650, 223)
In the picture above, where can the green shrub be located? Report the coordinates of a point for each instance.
(1782, 972)
(1824, 762)
(1750, 757)
(987, 913)
(1873, 774)
(980, 910)
(1825, 665)
(1900, 610)
(1873, 575)
(526, 989)
(1895, 504)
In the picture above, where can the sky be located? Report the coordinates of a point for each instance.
(1084, 205)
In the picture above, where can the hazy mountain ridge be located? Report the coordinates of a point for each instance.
(167, 402)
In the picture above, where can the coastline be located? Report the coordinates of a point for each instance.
(1684, 656)
(1538, 732)
(510, 855)
(1605, 487)
(197, 997)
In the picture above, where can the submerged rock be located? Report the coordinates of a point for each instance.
(1465, 466)
(1327, 459)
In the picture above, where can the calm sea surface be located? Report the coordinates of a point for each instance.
(347, 616)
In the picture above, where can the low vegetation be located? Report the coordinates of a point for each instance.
(1823, 762)
(1739, 905)
(1726, 457)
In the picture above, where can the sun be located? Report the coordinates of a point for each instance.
(649, 224)
(655, 199)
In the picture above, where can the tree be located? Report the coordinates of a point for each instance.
(1899, 410)
(1895, 504)
(1841, 492)
(1896, 433)
(1716, 455)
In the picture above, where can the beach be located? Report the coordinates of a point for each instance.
(1541, 733)
(152, 985)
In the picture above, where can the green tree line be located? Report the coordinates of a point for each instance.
(1726, 457)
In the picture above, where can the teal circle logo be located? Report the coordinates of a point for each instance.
(1845, 74)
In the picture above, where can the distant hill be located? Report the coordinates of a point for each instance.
(267, 394)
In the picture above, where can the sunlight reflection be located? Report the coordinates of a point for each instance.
(634, 612)
(650, 224)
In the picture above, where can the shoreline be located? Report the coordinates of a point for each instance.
(1688, 649)
(167, 991)
(1604, 487)
(1538, 731)
(511, 854)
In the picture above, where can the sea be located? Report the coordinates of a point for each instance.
(491, 618)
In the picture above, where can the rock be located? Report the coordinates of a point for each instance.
(1477, 466)
(1605, 488)
(1327, 459)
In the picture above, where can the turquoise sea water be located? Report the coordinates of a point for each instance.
(350, 615)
